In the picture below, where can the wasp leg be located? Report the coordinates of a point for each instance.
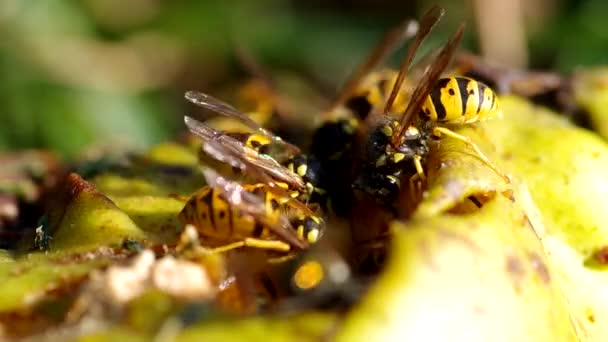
(415, 185)
(419, 169)
(279, 260)
(275, 245)
(188, 239)
(442, 130)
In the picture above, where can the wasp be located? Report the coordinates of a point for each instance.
(364, 93)
(400, 145)
(276, 211)
(228, 215)
(256, 99)
(260, 153)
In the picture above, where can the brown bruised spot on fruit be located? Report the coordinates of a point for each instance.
(539, 266)
(509, 194)
(68, 190)
(471, 204)
(601, 255)
(515, 269)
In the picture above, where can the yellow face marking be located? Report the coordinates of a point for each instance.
(300, 232)
(387, 130)
(301, 171)
(312, 236)
(290, 167)
(412, 131)
(397, 157)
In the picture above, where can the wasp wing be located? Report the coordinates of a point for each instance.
(428, 22)
(227, 149)
(388, 43)
(220, 107)
(428, 81)
(254, 205)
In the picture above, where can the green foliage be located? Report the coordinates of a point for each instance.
(73, 74)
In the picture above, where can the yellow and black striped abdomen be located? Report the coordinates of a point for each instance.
(459, 100)
(218, 221)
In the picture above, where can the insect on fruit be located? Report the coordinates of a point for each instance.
(366, 90)
(228, 215)
(397, 147)
(273, 212)
(335, 141)
(260, 154)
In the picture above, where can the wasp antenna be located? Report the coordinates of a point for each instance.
(251, 64)
(429, 20)
(388, 43)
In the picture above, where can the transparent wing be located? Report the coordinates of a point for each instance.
(388, 43)
(251, 64)
(229, 150)
(428, 22)
(220, 107)
(235, 194)
(429, 79)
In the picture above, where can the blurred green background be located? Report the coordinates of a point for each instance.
(75, 73)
